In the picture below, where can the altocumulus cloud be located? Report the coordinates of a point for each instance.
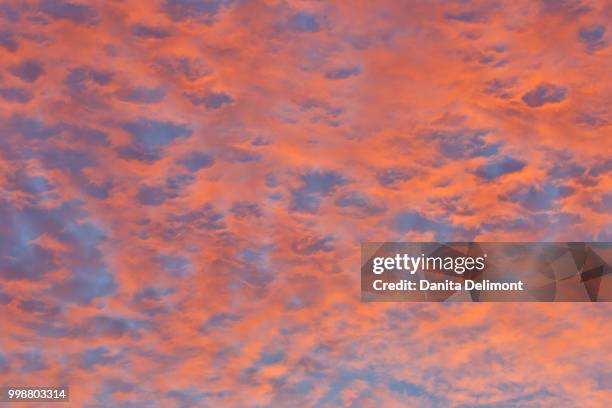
(543, 94)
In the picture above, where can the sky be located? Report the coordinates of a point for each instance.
(185, 184)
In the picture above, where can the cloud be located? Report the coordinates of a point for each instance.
(32, 361)
(592, 119)
(535, 198)
(31, 128)
(601, 204)
(543, 94)
(101, 326)
(413, 221)
(566, 170)
(219, 321)
(191, 69)
(20, 258)
(78, 78)
(468, 16)
(71, 160)
(142, 30)
(462, 143)
(499, 167)
(602, 167)
(570, 9)
(315, 184)
(322, 182)
(313, 244)
(152, 134)
(211, 100)
(406, 388)
(246, 209)
(196, 160)
(141, 94)
(360, 202)
(18, 95)
(239, 155)
(205, 218)
(8, 41)
(392, 176)
(154, 195)
(173, 264)
(201, 10)
(593, 37)
(551, 223)
(189, 397)
(153, 294)
(28, 70)
(5, 299)
(304, 22)
(500, 87)
(79, 13)
(98, 356)
(343, 73)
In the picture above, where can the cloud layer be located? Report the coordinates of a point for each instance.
(185, 185)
